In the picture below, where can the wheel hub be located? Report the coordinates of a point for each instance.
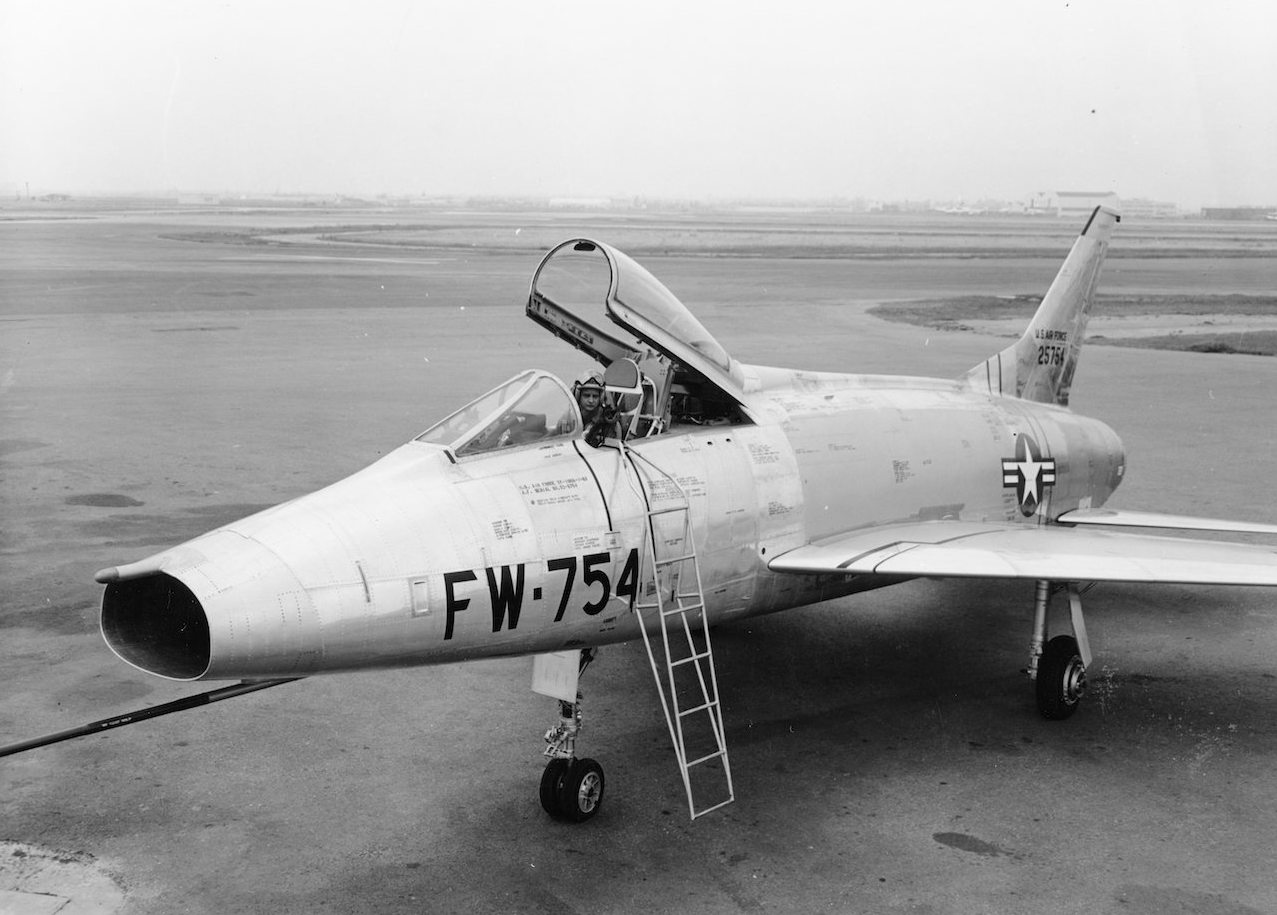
(587, 795)
(1074, 681)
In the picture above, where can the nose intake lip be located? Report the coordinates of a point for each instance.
(158, 625)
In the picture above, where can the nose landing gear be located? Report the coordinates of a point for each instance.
(571, 788)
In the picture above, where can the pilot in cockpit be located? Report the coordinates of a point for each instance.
(589, 396)
(596, 414)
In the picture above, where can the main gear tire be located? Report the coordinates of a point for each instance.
(1061, 680)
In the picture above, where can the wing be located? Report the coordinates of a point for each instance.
(1113, 517)
(973, 549)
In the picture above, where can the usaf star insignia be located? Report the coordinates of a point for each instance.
(1029, 473)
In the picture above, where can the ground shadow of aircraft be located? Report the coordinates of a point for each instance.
(676, 489)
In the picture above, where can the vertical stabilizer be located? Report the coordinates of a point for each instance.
(1040, 365)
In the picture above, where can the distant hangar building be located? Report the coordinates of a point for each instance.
(1072, 203)
(1143, 208)
(1082, 203)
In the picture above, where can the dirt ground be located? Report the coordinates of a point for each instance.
(887, 754)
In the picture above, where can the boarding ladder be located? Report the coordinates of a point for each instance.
(670, 590)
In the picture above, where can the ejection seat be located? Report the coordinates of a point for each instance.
(634, 396)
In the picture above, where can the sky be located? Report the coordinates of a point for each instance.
(956, 101)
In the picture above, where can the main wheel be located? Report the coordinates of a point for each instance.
(552, 786)
(581, 793)
(1061, 678)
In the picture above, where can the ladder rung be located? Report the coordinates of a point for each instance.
(712, 703)
(690, 658)
(701, 813)
(703, 759)
(690, 608)
(666, 511)
(675, 559)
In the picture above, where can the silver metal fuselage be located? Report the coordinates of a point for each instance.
(427, 558)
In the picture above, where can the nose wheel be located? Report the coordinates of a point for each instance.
(571, 788)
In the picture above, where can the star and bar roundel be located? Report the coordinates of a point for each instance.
(1029, 473)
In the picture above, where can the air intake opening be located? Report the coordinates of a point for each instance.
(156, 624)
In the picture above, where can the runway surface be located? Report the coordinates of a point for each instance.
(887, 753)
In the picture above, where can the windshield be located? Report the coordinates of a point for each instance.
(530, 407)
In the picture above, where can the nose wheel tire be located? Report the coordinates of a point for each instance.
(572, 790)
(1061, 680)
(552, 785)
(581, 794)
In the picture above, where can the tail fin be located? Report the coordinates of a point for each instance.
(1040, 365)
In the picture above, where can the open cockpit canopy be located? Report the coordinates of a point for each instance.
(664, 370)
(605, 304)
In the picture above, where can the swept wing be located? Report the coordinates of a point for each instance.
(1115, 517)
(981, 549)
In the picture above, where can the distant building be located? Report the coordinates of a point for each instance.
(1081, 203)
(580, 203)
(1069, 203)
(1143, 208)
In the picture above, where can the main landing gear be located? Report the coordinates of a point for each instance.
(571, 788)
(1058, 667)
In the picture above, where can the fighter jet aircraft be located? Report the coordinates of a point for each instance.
(701, 491)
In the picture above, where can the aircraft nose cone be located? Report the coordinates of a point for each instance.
(222, 606)
(158, 625)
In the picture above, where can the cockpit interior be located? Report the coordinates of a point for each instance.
(661, 369)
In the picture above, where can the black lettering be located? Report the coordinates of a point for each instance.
(507, 598)
(590, 575)
(627, 584)
(554, 565)
(1051, 355)
(454, 605)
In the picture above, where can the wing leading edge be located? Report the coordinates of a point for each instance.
(1115, 517)
(974, 549)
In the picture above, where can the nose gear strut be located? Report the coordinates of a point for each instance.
(571, 788)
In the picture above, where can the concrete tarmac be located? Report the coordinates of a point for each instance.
(886, 750)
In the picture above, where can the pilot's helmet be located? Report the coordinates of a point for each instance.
(589, 379)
